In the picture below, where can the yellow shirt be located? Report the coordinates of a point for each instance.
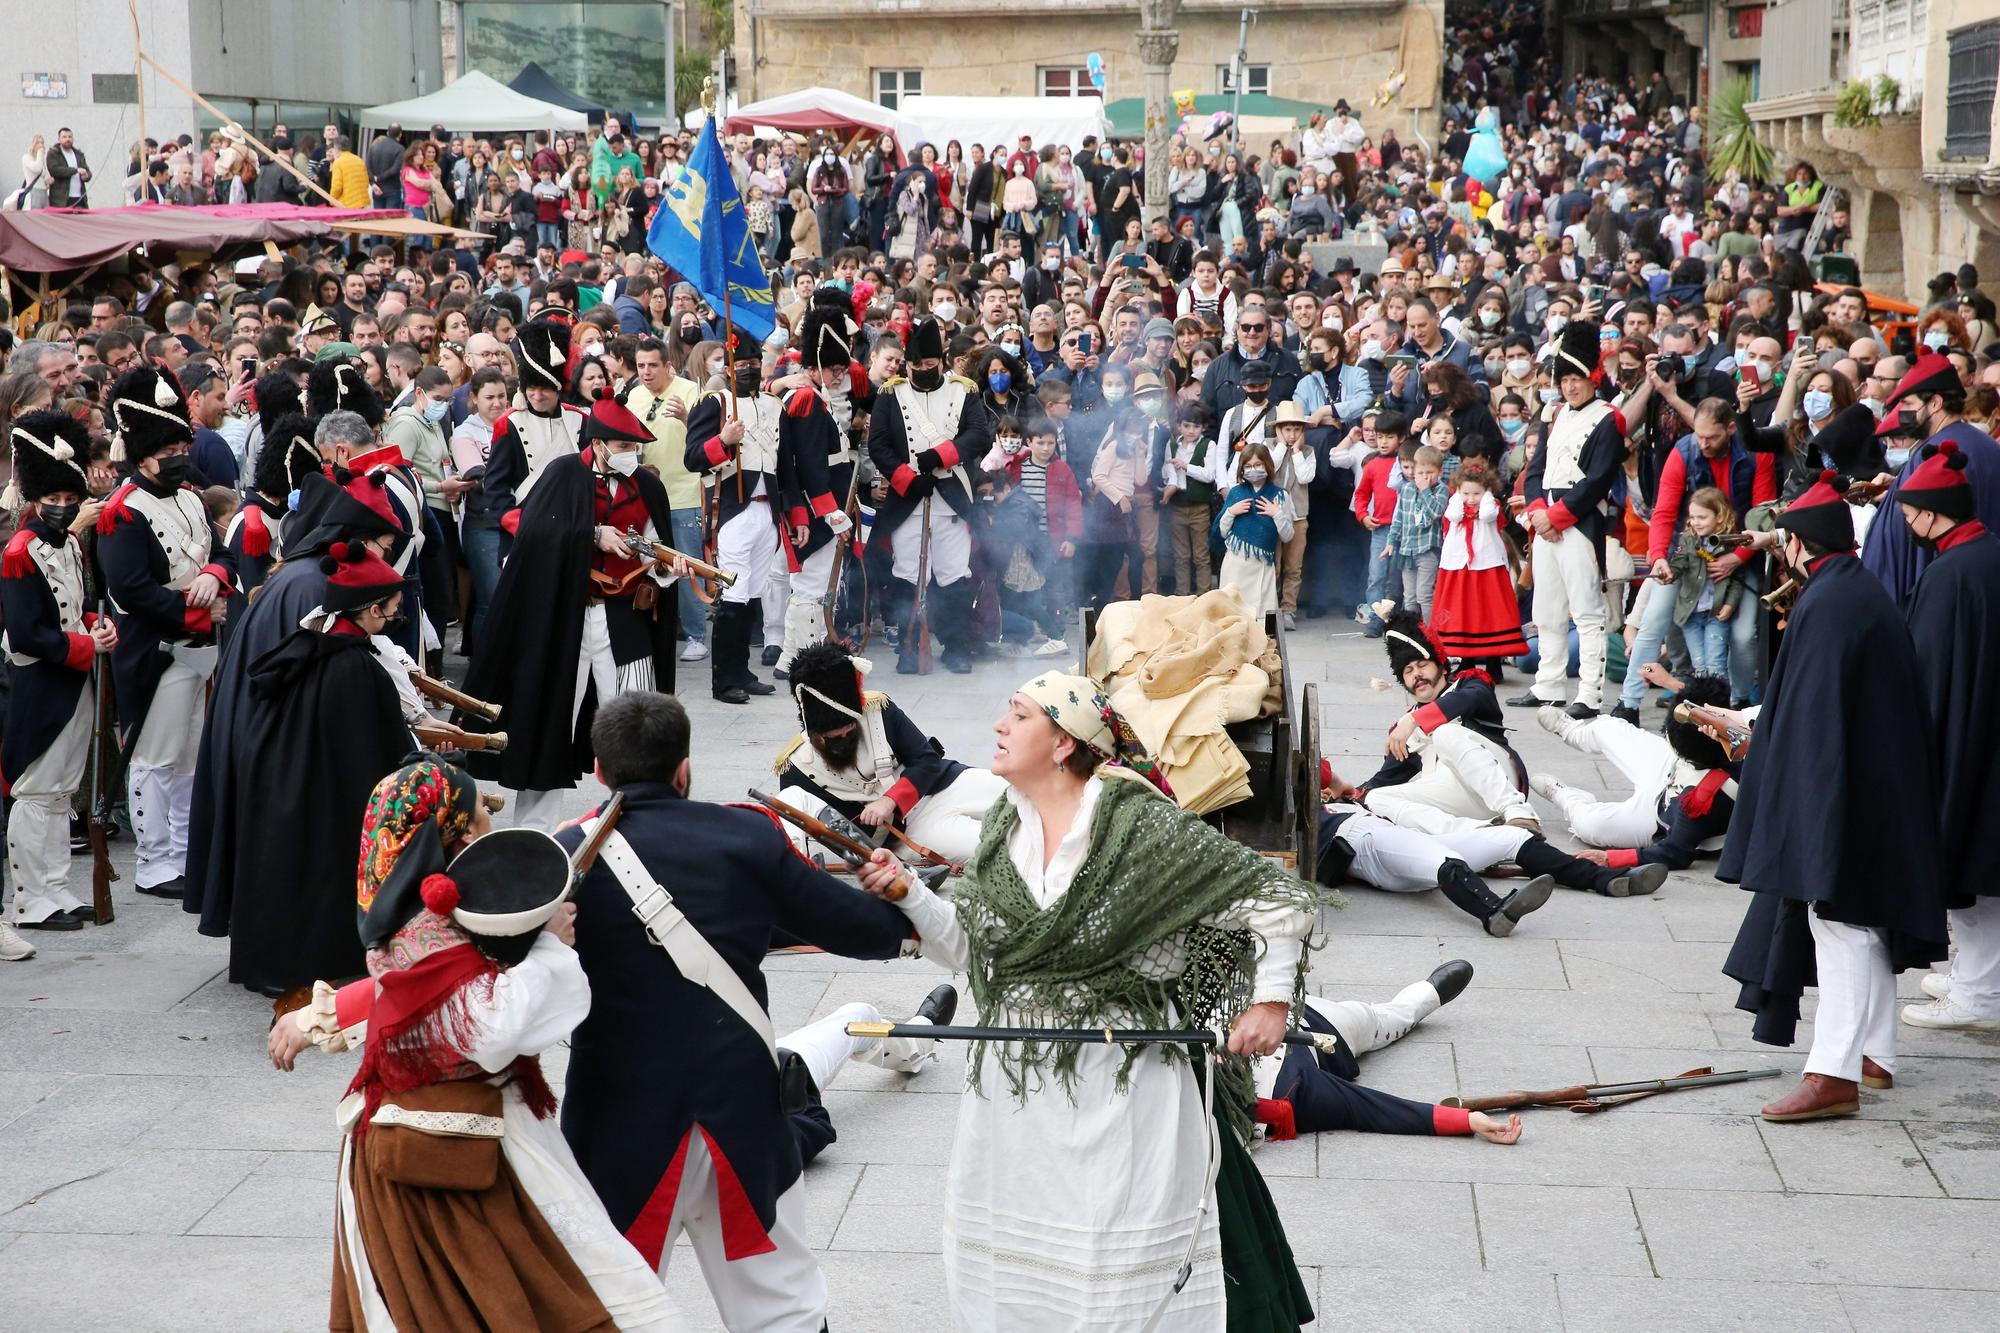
(667, 454)
(349, 183)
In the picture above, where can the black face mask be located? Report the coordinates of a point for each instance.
(840, 751)
(928, 381)
(749, 378)
(175, 470)
(56, 520)
(395, 623)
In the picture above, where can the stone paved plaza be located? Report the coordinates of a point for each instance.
(157, 1174)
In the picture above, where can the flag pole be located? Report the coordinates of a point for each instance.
(728, 323)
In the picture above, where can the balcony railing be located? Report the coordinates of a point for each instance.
(1973, 74)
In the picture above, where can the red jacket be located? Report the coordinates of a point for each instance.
(1372, 496)
(1065, 500)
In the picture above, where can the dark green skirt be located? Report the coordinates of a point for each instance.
(1260, 1280)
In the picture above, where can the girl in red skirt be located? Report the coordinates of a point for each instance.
(1475, 616)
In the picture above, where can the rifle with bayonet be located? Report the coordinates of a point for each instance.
(104, 784)
(1584, 1098)
(1324, 1042)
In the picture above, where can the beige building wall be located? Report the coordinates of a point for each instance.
(1317, 50)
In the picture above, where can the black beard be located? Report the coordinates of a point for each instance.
(840, 751)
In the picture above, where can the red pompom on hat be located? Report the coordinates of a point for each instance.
(1939, 483)
(356, 577)
(1821, 515)
(440, 894)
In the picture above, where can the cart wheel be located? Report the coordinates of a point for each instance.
(1306, 780)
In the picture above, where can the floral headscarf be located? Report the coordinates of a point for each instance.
(421, 794)
(1080, 708)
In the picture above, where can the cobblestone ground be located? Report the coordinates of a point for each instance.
(157, 1174)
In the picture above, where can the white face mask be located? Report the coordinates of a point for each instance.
(1371, 350)
(1256, 476)
(1519, 366)
(1548, 395)
(623, 464)
(1489, 318)
(945, 310)
(1115, 393)
(1011, 349)
(1555, 324)
(715, 365)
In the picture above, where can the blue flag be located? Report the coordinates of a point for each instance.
(700, 230)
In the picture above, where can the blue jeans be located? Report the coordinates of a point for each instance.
(687, 540)
(549, 233)
(1741, 637)
(481, 548)
(1708, 643)
(1384, 580)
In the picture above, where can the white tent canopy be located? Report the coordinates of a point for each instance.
(476, 102)
(991, 120)
(812, 109)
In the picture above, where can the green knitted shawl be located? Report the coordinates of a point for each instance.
(1153, 873)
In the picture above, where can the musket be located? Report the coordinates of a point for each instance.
(433, 734)
(1626, 581)
(585, 856)
(1585, 1099)
(856, 853)
(1319, 1041)
(1734, 740)
(660, 553)
(444, 692)
(103, 759)
(920, 612)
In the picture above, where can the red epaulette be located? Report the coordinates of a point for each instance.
(501, 423)
(800, 403)
(17, 563)
(256, 532)
(858, 382)
(510, 522)
(116, 510)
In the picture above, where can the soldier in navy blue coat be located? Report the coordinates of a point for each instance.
(169, 589)
(819, 474)
(672, 1104)
(52, 643)
(1955, 627)
(1835, 830)
(923, 435)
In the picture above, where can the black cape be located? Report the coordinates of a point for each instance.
(324, 727)
(292, 588)
(1955, 624)
(529, 641)
(1834, 812)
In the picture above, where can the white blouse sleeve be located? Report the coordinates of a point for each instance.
(939, 936)
(534, 1004)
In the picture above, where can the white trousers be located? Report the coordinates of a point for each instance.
(826, 1048)
(1975, 966)
(951, 545)
(38, 825)
(1569, 587)
(161, 777)
(1464, 775)
(782, 1291)
(1406, 860)
(948, 821)
(805, 606)
(747, 545)
(1364, 1027)
(1857, 1000)
(1641, 758)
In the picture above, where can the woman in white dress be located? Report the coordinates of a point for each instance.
(1094, 1187)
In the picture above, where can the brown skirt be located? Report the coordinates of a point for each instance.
(450, 1260)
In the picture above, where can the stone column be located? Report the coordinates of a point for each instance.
(1159, 43)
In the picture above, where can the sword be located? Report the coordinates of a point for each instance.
(1324, 1042)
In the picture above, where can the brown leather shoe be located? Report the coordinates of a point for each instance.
(1876, 1077)
(1816, 1098)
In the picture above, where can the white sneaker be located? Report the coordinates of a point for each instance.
(1052, 648)
(1291, 621)
(1937, 985)
(1553, 719)
(694, 650)
(13, 948)
(1545, 785)
(1945, 1014)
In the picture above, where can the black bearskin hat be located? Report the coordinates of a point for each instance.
(739, 346)
(338, 385)
(826, 339)
(286, 456)
(147, 414)
(278, 395)
(1689, 741)
(926, 341)
(1408, 642)
(541, 354)
(50, 450)
(1577, 350)
(825, 671)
